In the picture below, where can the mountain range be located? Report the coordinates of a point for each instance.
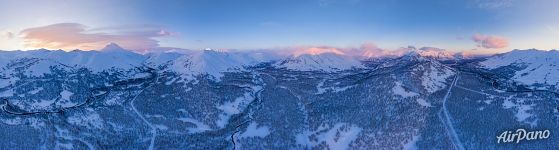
(319, 98)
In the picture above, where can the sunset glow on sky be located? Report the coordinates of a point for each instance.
(458, 25)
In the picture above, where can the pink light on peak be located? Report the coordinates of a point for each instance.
(317, 51)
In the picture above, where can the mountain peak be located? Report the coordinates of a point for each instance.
(435, 53)
(113, 47)
(413, 55)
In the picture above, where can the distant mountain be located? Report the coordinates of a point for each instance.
(427, 52)
(327, 62)
(436, 53)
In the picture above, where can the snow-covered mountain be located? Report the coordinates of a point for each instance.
(531, 67)
(315, 98)
(436, 53)
(110, 57)
(215, 63)
(327, 62)
(427, 52)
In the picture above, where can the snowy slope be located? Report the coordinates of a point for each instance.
(214, 63)
(32, 67)
(162, 58)
(328, 62)
(537, 66)
(432, 75)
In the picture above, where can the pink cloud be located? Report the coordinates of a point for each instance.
(366, 50)
(491, 42)
(70, 36)
(318, 51)
(371, 50)
(369, 46)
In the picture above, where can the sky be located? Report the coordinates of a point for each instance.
(457, 25)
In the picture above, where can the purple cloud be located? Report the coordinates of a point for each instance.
(77, 36)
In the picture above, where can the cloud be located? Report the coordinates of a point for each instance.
(491, 4)
(366, 50)
(371, 50)
(70, 36)
(317, 50)
(369, 46)
(491, 42)
(9, 35)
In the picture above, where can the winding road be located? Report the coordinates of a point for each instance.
(153, 128)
